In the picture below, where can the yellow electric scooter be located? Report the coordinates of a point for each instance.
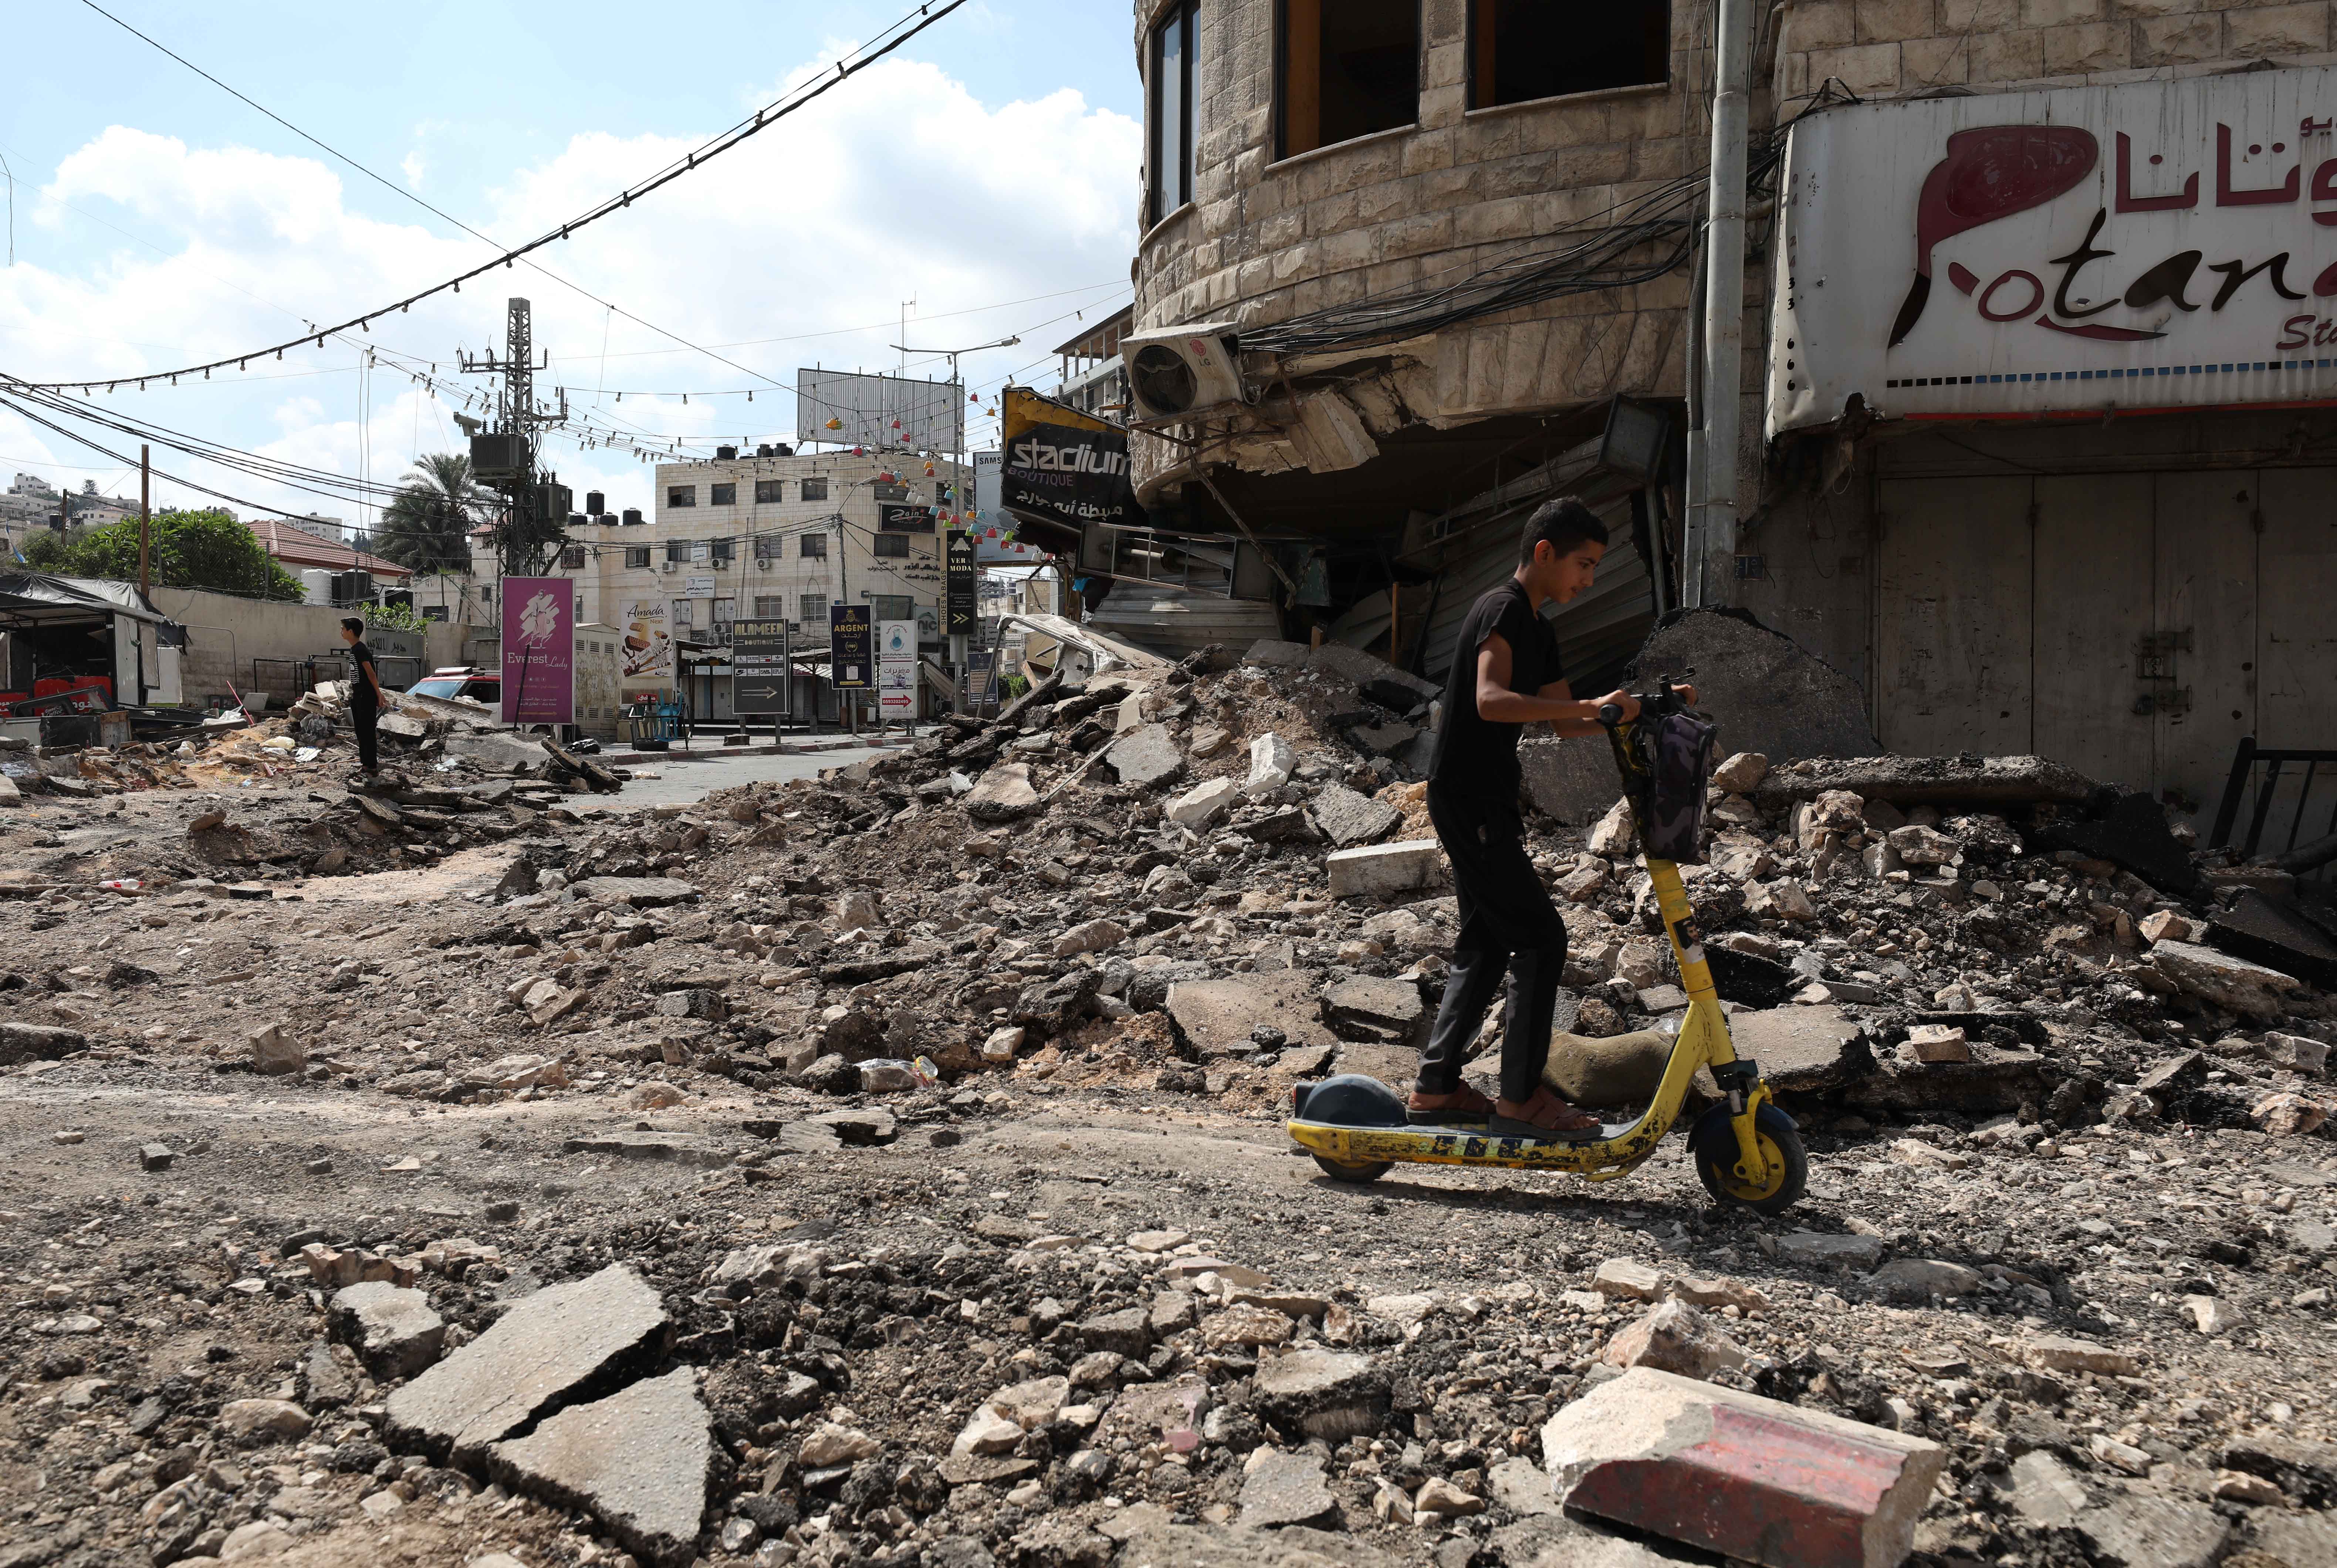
(1747, 1151)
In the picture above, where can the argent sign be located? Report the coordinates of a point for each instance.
(2153, 244)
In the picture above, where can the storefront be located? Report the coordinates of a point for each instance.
(2056, 372)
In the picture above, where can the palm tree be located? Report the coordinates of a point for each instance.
(426, 525)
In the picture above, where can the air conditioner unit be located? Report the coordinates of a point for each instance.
(672, 566)
(1175, 370)
(721, 565)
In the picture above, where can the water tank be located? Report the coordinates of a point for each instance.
(633, 517)
(576, 519)
(781, 449)
(726, 453)
(593, 502)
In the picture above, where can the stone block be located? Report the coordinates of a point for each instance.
(2015, 55)
(1733, 1473)
(1888, 21)
(2257, 31)
(1382, 870)
(1863, 68)
(637, 1461)
(1203, 802)
(2178, 40)
(2088, 47)
(1145, 756)
(1825, 25)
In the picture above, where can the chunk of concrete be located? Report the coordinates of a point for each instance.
(1145, 756)
(641, 892)
(1924, 781)
(392, 1329)
(1673, 1336)
(637, 1461)
(1281, 1487)
(2256, 928)
(1202, 803)
(1383, 870)
(1768, 693)
(1001, 794)
(1381, 1012)
(1572, 780)
(1364, 669)
(2137, 1528)
(1733, 1472)
(38, 1042)
(1329, 1394)
(547, 1346)
(2246, 988)
(1217, 1015)
(1348, 818)
(1271, 762)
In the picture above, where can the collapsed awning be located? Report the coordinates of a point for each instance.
(31, 598)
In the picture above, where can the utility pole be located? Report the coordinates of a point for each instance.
(964, 461)
(524, 545)
(145, 522)
(1708, 563)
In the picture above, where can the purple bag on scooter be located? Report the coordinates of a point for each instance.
(1680, 748)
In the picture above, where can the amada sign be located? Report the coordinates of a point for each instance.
(2159, 244)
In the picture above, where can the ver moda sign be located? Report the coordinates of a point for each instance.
(2153, 245)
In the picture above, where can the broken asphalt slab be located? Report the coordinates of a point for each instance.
(1217, 1016)
(550, 1347)
(637, 1461)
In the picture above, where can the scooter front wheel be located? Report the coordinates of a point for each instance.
(1714, 1146)
(1341, 1171)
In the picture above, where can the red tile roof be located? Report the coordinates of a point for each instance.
(296, 546)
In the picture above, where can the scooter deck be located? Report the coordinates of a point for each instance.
(1619, 1146)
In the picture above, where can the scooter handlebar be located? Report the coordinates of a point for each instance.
(1611, 714)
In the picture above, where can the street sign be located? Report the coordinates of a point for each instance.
(981, 670)
(959, 567)
(850, 659)
(759, 657)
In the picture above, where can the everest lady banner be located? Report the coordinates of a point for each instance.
(2155, 244)
(539, 650)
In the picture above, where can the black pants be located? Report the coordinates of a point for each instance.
(1507, 921)
(364, 718)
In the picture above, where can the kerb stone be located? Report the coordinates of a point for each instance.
(1733, 1473)
(637, 1461)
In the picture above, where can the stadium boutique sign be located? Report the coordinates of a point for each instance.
(2157, 244)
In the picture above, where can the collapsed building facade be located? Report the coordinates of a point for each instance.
(2037, 445)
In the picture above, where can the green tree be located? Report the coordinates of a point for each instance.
(186, 550)
(428, 523)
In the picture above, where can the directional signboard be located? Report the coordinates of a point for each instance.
(759, 657)
(959, 565)
(896, 671)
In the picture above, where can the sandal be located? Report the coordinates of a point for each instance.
(1548, 1120)
(1465, 1106)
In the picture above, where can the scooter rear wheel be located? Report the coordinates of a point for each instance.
(1713, 1144)
(1341, 1171)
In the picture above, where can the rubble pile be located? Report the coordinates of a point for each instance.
(885, 1168)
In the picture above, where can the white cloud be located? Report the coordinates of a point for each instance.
(898, 184)
(413, 166)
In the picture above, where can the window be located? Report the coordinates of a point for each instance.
(677, 551)
(681, 495)
(571, 558)
(814, 489)
(892, 607)
(637, 556)
(770, 546)
(770, 607)
(1349, 67)
(1170, 69)
(1521, 50)
(724, 549)
(893, 545)
(722, 495)
(815, 609)
(681, 614)
(814, 546)
(767, 490)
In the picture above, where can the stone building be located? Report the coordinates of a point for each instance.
(1449, 234)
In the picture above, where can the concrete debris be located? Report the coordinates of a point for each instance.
(1733, 1473)
(392, 1330)
(1924, 781)
(1768, 693)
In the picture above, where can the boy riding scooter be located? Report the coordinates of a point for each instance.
(1506, 675)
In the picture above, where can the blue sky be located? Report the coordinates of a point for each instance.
(159, 221)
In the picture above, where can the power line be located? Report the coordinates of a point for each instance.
(714, 148)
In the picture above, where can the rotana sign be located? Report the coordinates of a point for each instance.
(2156, 244)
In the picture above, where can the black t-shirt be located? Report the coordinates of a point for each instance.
(361, 674)
(1477, 758)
